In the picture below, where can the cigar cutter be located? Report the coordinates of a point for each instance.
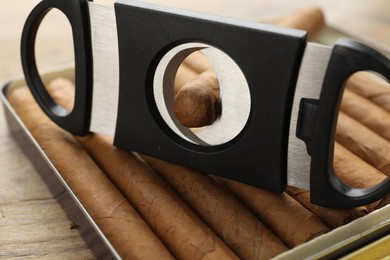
(280, 94)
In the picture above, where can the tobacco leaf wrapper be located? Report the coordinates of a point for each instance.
(366, 112)
(332, 217)
(174, 222)
(363, 142)
(371, 87)
(227, 216)
(274, 209)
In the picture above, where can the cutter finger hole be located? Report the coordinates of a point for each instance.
(59, 43)
(362, 137)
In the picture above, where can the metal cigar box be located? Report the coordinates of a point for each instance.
(336, 243)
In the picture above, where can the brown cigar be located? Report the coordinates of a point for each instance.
(203, 90)
(121, 224)
(330, 216)
(367, 113)
(310, 19)
(363, 142)
(355, 172)
(171, 219)
(229, 218)
(65, 97)
(280, 212)
(371, 87)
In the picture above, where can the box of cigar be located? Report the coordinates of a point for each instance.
(128, 205)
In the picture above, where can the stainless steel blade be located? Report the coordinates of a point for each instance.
(105, 69)
(309, 84)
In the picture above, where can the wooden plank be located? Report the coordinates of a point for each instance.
(39, 228)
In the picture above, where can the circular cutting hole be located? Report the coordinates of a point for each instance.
(234, 95)
(197, 101)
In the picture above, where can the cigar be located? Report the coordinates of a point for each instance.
(363, 142)
(227, 216)
(330, 216)
(181, 230)
(310, 19)
(288, 219)
(204, 89)
(371, 87)
(366, 112)
(187, 236)
(354, 172)
(118, 220)
(65, 97)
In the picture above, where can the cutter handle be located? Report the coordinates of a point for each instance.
(327, 190)
(76, 121)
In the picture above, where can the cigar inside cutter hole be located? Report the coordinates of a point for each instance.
(234, 93)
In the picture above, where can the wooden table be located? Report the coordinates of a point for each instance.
(32, 224)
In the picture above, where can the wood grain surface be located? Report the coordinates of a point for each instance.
(32, 224)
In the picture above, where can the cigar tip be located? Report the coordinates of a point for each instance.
(196, 107)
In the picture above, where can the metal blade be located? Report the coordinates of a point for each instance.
(105, 69)
(309, 84)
